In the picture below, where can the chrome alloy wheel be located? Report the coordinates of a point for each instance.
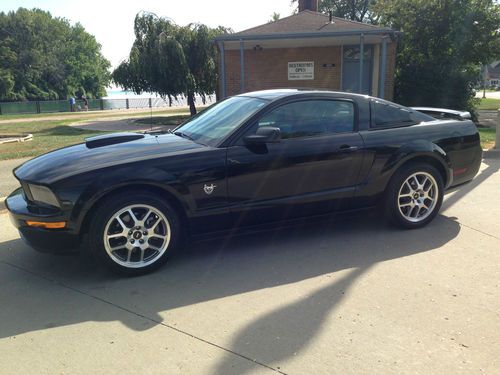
(418, 197)
(137, 236)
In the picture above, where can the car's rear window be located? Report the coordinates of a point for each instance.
(386, 114)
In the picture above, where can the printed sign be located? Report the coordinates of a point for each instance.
(300, 70)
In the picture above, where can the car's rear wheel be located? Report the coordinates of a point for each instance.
(134, 233)
(414, 196)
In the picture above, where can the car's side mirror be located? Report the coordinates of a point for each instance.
(265, 134)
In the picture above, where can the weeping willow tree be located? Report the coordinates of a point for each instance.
(170, 60)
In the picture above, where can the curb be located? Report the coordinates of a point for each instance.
(492, 154)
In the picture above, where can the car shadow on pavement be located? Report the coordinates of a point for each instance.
(39, 291)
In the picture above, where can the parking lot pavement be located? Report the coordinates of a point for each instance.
(344, 295)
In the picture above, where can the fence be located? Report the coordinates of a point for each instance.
(19, 108)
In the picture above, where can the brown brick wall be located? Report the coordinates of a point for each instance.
(268, 69)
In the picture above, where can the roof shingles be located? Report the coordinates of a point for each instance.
(308, 21)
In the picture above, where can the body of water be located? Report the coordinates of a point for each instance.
(124, 94)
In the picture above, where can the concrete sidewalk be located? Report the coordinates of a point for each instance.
(7, 180)
(335, 297)
(489, 94)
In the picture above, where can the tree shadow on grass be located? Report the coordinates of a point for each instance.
(64, 130)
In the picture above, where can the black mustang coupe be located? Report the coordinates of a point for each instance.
(249, 159)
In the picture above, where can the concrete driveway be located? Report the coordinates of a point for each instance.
(346, 295)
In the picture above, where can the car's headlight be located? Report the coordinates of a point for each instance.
(43, 194)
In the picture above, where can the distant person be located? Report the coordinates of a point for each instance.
(72, 104)
(85, 103)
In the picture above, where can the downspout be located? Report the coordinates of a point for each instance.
(361, 60)
(242, 66)
(222, 69)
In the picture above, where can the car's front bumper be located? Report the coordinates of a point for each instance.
(44, 240)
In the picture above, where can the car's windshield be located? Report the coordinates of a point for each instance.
(216, 122)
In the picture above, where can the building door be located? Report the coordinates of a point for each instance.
(350, 69)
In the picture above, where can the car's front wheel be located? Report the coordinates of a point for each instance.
(414, 195)
(133, 233)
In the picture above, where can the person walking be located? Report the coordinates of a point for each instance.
(72, 104)
(85, 103)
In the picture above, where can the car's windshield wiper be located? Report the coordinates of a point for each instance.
(184, 135)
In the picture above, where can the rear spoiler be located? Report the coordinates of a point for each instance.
(442, 113)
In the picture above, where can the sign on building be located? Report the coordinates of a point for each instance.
(300, 70)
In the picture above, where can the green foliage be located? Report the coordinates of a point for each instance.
(42, 57)
(274, 17)
(354, 10)
(443, 44)
(170, 60)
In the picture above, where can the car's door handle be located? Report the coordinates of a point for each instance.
(347, 148)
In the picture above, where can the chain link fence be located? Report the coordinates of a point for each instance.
(51, 106)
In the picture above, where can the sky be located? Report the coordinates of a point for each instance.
(111, 21)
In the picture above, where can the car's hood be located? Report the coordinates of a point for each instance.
(100, 152)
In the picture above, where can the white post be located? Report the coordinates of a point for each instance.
(497, 143)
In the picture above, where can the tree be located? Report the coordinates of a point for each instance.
(42, 57)
(274, 17)
(442, 46)
(170, 60)
(354, 10)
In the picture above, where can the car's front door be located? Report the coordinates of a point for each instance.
(314, 166)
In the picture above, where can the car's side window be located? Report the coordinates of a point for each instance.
(385, 114)
(310, 117)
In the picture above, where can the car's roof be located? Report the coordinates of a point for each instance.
(281, 93)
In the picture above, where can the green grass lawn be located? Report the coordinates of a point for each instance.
(77, 116)
(47, 136)
(52, 134)
(487, 137)
(489, 104)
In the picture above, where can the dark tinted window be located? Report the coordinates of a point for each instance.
(387, 114)
(311, 117)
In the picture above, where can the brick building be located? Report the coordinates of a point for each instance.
(308, 49)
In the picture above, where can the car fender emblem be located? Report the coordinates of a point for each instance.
(209, 189)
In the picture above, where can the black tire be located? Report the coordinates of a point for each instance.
(395, 214)
(102, 222)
